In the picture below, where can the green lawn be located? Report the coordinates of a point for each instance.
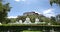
(31, 31)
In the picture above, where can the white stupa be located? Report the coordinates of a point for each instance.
(49, 23)
(0, 23)
(20, 21)
(36, 20)
(27, 21)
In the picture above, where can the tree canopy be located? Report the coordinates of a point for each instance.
(4, 8)
(55, 1)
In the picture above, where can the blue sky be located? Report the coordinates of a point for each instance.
(39, 6)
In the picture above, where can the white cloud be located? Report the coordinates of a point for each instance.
(12, 17)
(49, 12)
(20, 0)
(17, 0)
(23, 0)
(49, 15)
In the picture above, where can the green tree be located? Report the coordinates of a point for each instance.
(53, 20)
(58, 18)
(4, 9)
(21, 18)
(12, 20)
(55, 1)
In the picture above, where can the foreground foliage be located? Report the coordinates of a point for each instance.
(55, 1)
(4, 9)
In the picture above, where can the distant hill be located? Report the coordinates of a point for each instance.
(32, 16)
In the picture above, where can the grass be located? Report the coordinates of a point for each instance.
(31, 31)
